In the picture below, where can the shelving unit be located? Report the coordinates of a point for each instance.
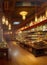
(35, 40)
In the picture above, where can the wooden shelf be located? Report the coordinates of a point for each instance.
(35, 25)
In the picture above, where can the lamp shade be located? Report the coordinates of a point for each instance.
(23, 14)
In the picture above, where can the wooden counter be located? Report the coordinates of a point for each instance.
(39, 50)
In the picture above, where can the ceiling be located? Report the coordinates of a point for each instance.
(11, 9)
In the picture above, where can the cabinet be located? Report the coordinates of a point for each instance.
(3, 50)
(3, 53)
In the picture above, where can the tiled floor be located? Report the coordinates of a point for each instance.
(19, 56)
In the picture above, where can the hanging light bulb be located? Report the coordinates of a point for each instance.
(36, 19)
(9, 27)
(6, 22)
(3, 20)
(41, 19)
(46, 13)
(23, 17)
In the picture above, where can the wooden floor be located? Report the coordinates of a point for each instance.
(20, 56)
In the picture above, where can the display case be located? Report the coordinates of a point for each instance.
(34, 39)
(3, 45)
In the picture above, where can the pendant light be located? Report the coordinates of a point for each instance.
(9, 27)
(6, 22)
(3, 20)
(23, 14)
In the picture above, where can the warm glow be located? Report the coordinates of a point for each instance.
(24, 17)
(3, 19)
(22, 28)
(41, 19)
(9, 27)
(46, 13)
(44, 27)
(23, 13)
(31, 23)
(6, 22)
(36, 19)
(20, 31)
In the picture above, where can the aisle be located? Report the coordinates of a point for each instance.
(23, 57)
(20, 56)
